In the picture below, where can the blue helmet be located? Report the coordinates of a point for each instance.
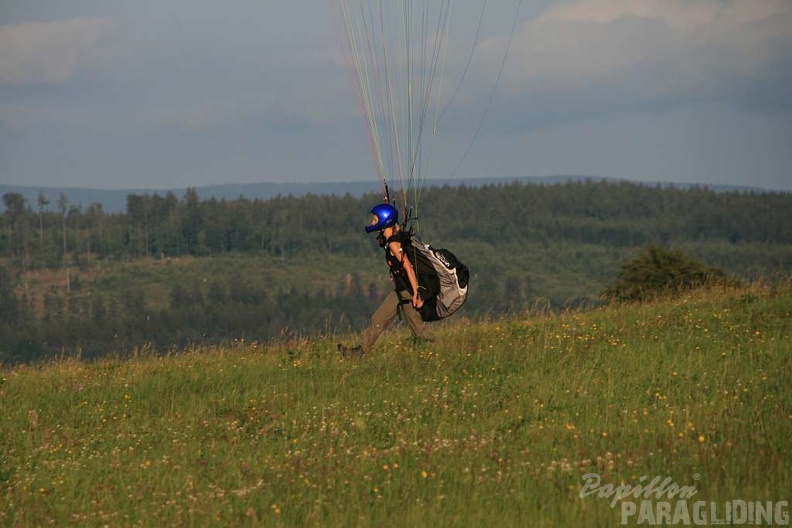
(387, 215)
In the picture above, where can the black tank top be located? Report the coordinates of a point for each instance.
(397, 272)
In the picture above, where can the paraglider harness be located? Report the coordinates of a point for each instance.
(442, 277)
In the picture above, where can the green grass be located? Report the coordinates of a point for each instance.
(492, 424)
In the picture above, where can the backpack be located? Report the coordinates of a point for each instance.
(442, 278)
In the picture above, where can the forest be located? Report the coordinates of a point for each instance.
(175, 271)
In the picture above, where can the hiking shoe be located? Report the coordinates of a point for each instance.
(351, 352)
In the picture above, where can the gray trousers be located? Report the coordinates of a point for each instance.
(387, 312)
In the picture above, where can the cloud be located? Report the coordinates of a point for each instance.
(48, 52)
(611, 53)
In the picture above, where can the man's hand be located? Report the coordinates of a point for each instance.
(417, 301)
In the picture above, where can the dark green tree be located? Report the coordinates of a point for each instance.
(16, 219)
(661, 270)
(43, 202)
(63, 206)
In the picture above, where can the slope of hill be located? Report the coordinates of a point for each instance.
(502, 423)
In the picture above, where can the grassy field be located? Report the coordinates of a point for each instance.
(493, 424)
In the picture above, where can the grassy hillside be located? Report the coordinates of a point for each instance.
(492, 424)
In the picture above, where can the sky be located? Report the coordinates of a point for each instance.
(155, 94)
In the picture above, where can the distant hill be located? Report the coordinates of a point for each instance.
(114, 200)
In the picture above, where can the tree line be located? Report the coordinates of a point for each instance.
(34, 236)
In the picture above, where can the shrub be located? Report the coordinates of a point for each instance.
(660, 270)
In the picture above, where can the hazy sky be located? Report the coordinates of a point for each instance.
(174, 93)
